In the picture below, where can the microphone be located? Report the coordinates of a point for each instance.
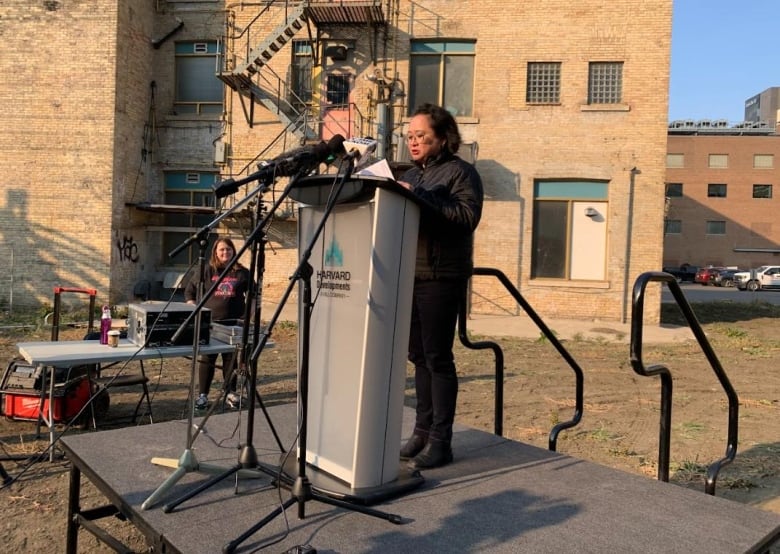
(360, 150)
(299, 160)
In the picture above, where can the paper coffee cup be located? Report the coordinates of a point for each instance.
(113, 338)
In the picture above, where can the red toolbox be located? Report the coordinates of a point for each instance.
(21, 394)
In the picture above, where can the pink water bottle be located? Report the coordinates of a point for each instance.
(105, 325)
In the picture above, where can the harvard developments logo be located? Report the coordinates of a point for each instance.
(333, 282)
(334, 256)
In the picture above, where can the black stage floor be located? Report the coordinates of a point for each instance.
(498, 496)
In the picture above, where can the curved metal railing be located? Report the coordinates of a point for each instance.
(637, 315)
(499, 392)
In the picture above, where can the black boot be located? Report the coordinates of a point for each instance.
(413, 446)
(435, 454)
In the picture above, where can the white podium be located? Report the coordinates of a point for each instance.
(363, 274)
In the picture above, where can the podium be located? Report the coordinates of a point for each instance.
(363, 274)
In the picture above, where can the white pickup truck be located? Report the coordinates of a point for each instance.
(764, 277)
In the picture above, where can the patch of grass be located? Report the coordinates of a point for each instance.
(691, 429)
(733, 333)
(601, 434)
(739, 483)
(688, 471)
(622, 452)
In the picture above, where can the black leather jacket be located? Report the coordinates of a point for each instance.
(451, 193)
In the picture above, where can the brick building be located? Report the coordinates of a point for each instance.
(116, 128)
(721, 207)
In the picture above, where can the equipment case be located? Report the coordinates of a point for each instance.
(21, 392)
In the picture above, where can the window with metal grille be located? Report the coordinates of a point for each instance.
(716, 190)
(675, 160)
(337, 91)
(762, 191)
(716, 227)
(442, 72)
(672, 226)
(763, 161)
(605, 82)
(718, 161)
(543, 83)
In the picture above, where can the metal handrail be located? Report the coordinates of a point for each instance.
(498, 404)
(637, 314)
(579, 379)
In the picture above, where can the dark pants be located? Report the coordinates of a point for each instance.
(206, 366)
(434, 316)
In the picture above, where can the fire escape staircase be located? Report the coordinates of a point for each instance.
(257, 82)
(266, 87)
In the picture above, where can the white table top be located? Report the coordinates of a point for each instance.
(77, 352)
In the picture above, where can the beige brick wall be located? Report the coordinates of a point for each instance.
(519, 143)
(88, 137)
(57, 104)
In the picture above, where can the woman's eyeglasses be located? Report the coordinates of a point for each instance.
(419, 138)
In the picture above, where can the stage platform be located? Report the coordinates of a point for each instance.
(498, 496)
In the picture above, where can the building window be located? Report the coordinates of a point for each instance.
(337, 89)
(674, 189)
(569, 230)
(198, 90)
(763, 161)
(605, 82)
(672, 226)
(543, 83)
(718, 161)
(716, 227)
(194, 189)
(675, 160)
(716, 190)
(762, 191)
(442, 72)
(300, 73)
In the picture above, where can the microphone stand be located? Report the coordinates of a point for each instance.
(248, 463)
(187, 462)
(301, 487)
(248, 458)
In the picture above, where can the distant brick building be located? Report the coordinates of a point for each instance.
(721, 203)
(116, 128)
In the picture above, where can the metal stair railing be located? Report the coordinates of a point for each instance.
(242, 72)
(499, 393)
(637, 315)
(261, 54)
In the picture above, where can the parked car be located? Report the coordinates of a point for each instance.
(724, 278)
(764, 277)
(705, 274)
(685, 272)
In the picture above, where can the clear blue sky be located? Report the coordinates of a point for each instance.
(723, 52)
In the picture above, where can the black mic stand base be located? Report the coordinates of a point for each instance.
(303, 492)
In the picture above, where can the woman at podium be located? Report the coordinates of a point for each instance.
(451, 194)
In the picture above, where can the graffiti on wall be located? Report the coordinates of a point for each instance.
(128, 249)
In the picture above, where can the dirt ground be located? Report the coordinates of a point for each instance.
(619, 428)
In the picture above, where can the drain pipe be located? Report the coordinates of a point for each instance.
(629, 229)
